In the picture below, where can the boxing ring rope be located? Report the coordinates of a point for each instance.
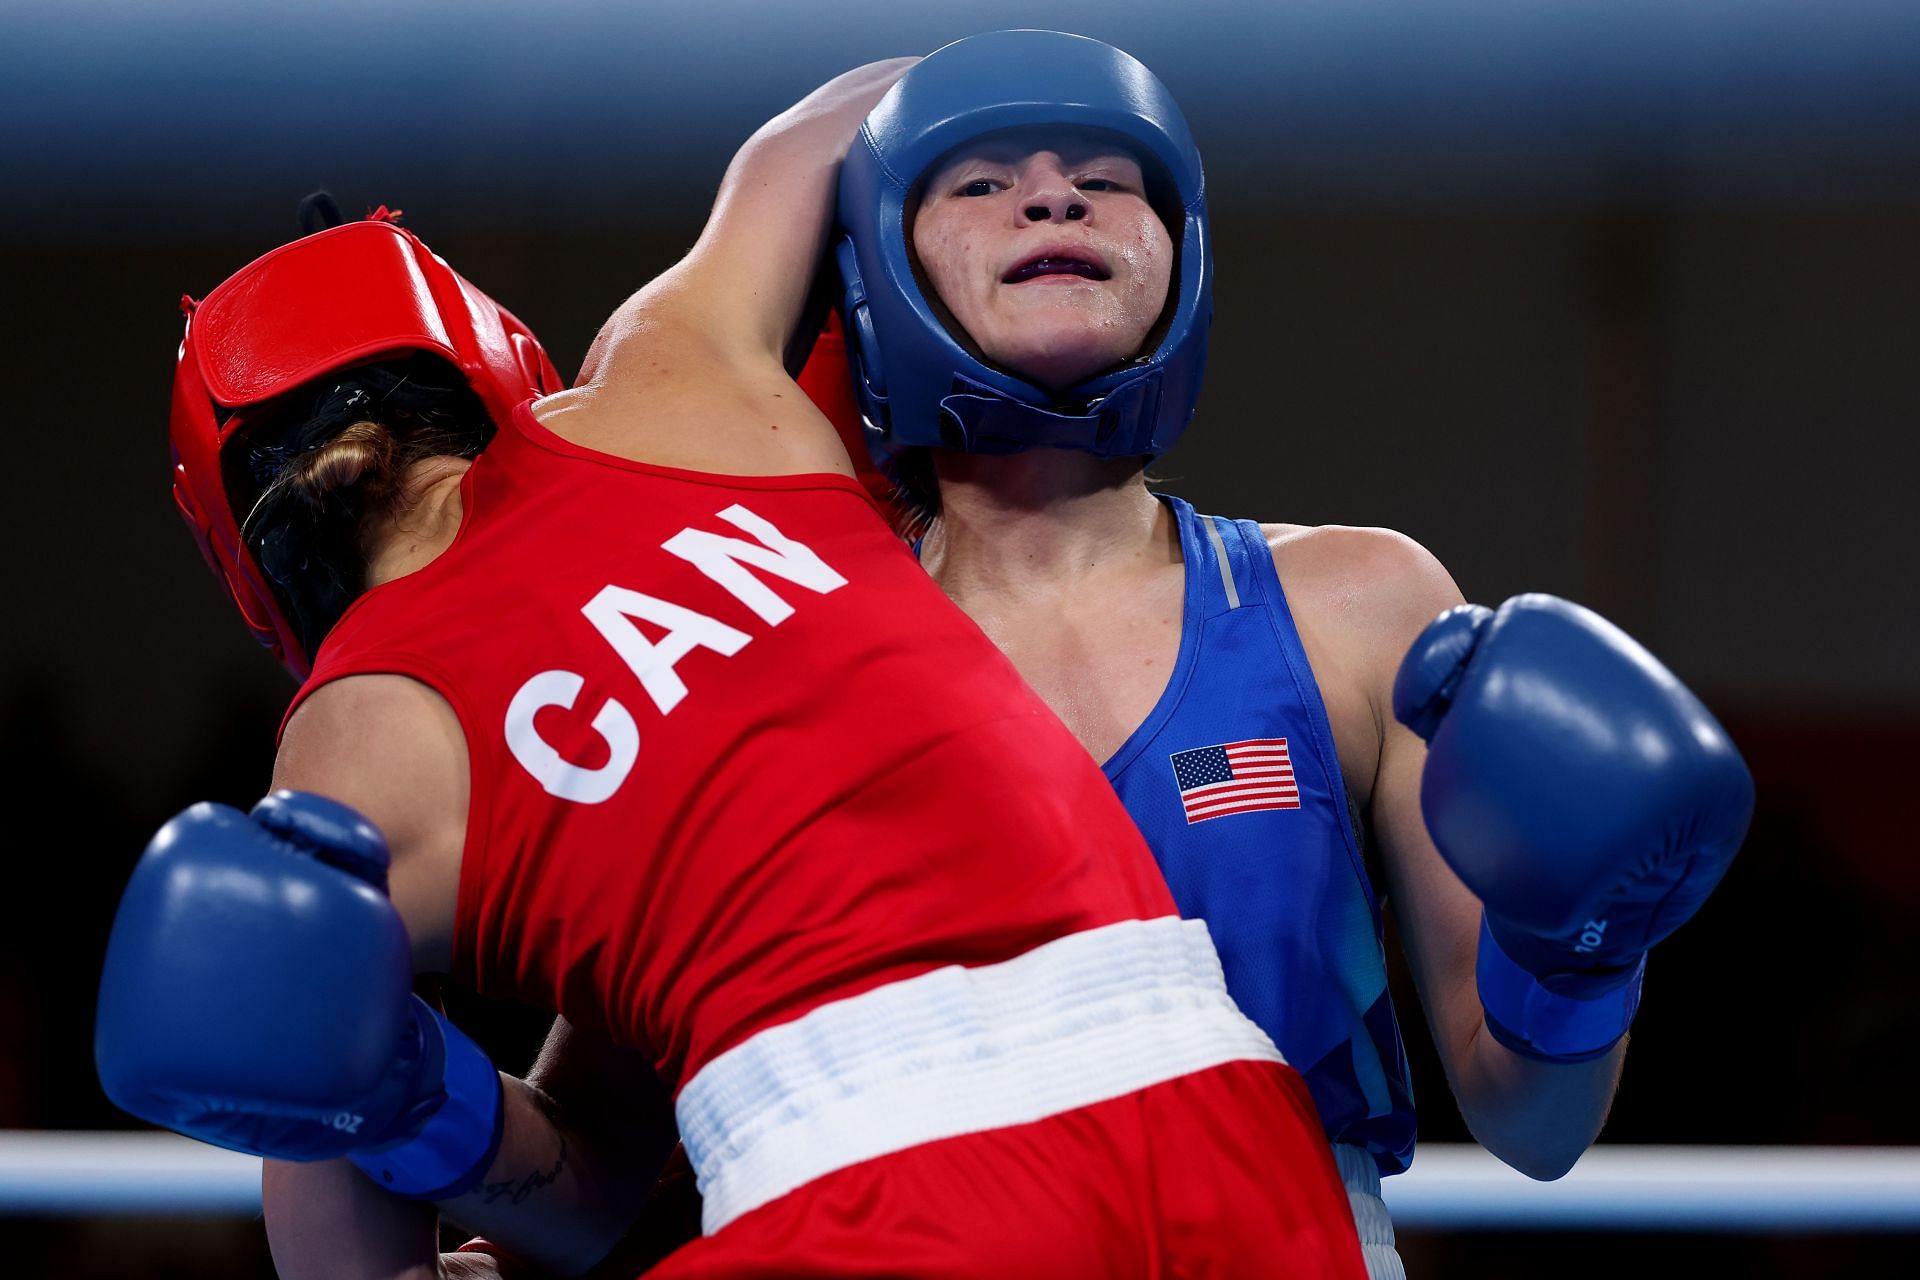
(1450, 1188)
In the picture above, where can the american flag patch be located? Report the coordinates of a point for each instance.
(1235, 777)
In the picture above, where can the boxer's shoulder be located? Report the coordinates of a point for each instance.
(1358, 597)
(358, 716)
(1360, 581)
(672, 398)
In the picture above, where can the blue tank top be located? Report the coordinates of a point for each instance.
(1234, 781)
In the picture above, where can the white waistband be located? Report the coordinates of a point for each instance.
(1080, 1020)
(1370, 1218)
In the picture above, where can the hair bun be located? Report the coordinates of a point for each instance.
(363, 452)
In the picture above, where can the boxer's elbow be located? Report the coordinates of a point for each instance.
(1543, 1149)
(1541, 1161)
(1538, 1118)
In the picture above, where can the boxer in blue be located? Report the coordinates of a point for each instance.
(1027, 266)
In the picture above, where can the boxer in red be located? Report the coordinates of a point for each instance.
(625, 702)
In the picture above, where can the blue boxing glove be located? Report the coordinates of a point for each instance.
(257, 996)
(1583, 793)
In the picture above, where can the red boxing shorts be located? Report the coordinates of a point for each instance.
(1222, 1173)
(1096, 1107)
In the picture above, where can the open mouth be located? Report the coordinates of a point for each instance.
(1056, 264)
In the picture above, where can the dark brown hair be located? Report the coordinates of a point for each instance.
(307, 483)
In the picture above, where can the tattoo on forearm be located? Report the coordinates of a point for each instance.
(516, 1190)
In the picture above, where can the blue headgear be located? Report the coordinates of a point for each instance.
(919, 386)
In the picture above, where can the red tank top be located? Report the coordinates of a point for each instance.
(733, 754)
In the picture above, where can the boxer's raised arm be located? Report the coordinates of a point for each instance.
(753, 263)
(1592, 803)
(744, 283)
(1537, 1117)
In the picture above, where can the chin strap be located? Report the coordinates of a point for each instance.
(981, 419)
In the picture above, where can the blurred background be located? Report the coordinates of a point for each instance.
(1618, 299)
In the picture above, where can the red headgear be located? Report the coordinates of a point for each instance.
(345, 296)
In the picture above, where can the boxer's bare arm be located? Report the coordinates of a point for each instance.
(592, 1086)
(595, 1132)
(1536, 1116)
(1378, 591)
(746, 279)
(565, 1183)
(327, 1220)
(552, 1196)
(689, 371)
(393, 749)
(743, 284)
